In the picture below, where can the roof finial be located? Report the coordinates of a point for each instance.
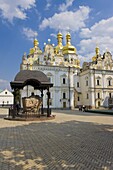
(49, 40)
(59, 38)
(68, 38)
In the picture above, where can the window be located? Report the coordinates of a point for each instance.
(98, 95)
(98, 82)
(86, 82)
(78, 98)
(77, 84)
(109, 82)
(109, 95)
(64, 95)
(6, 92)
(87, 96)
(64, 81)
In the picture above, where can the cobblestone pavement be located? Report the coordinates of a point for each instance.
(72, 141)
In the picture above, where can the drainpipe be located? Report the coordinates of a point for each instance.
(69, 87)
(94, 89)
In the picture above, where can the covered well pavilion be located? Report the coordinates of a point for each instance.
(37, 79)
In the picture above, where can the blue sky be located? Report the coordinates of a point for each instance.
(90, 23)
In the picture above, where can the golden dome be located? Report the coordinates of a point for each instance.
(31, 51)
(68, 48)
(59, 35)
(94, 58)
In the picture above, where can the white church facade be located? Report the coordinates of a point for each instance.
(90, 85)
(6, 98)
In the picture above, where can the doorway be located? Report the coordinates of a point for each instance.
(64, 104)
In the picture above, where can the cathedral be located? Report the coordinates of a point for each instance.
(90, 85)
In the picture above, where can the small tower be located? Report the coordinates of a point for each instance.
(68, 39)
(59, 39)
(36, 42)
(97, 54)
(97, 50)
(59, 46)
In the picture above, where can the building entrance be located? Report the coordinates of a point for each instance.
(64, 104)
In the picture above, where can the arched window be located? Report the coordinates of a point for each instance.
(98, 94)
(78, 84)
(64, 95)
(98, 81)
(109, 81)
(109, 95)
(87, 96)
(78, 98)
(64, 79)
(86, 78)
(50, 77)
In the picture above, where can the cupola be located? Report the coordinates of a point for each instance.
(68, 48)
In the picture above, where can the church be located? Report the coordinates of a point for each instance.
(73, 86)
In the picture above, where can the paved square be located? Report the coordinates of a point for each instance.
(72, 141)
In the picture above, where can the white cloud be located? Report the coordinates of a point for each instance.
(67, 20)
(15, 9)
(102, 28)
(4, 84)
(64, 6)
(29, 33)
(48, 5)
(53, 35)
(100, 34)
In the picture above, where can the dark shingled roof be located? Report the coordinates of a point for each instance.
(30, 77)
(30, 74)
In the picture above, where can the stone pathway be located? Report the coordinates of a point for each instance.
(72, 141)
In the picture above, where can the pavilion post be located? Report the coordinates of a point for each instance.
(42, 109)
(14, 101)
(13, 109)
(48, 97)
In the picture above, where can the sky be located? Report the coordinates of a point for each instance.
(90, 23)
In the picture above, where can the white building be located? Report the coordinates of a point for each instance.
(91, 85)
(6, 97)
(98, 81)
